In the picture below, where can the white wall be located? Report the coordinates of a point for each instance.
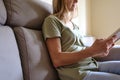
(88, 17)
(105, 17)
(48, 1)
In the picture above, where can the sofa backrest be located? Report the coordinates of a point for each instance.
(35, 58)
(25, 17)
(27, 13)
(10, 64)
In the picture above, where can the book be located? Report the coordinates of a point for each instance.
(116, 33)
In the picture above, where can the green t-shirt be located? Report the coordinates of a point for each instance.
(70, 41)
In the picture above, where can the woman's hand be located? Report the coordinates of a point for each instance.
(101, 47)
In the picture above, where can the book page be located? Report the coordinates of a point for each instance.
(117, 33)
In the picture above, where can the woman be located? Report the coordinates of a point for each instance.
(71, 59)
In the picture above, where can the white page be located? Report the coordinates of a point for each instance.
(117, 33)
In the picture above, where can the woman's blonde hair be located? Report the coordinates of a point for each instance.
(60, 9)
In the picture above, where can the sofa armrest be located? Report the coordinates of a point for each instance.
(113, 55)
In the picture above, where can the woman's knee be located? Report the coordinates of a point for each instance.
(101, 76)
(110, 66)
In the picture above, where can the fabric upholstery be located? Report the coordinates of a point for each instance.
(34, 55)
(10, 64)
(113, 55)
(27, 13)
(3, 15)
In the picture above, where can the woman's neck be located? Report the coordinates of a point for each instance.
(66, 17)
(66, 21)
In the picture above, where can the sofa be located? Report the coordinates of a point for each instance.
(23, 53)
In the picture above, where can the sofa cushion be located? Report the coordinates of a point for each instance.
(3, 14)
(34, 55)
(27, 13)
(10, 64)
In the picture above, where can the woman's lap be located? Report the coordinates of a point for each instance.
(110, 66)
(108, 70)
(102, 76)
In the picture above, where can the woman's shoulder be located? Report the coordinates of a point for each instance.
(51, 17)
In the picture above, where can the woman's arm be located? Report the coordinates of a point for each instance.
(60, 58)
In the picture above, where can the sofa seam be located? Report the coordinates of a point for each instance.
(27, 55)
(10, 11)
(27, 52)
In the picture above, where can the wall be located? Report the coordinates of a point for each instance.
(48, 1)
(105, 17)
(88, 17)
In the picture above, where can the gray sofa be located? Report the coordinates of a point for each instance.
(23, 54)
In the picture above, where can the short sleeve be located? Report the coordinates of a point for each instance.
(51, 28)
